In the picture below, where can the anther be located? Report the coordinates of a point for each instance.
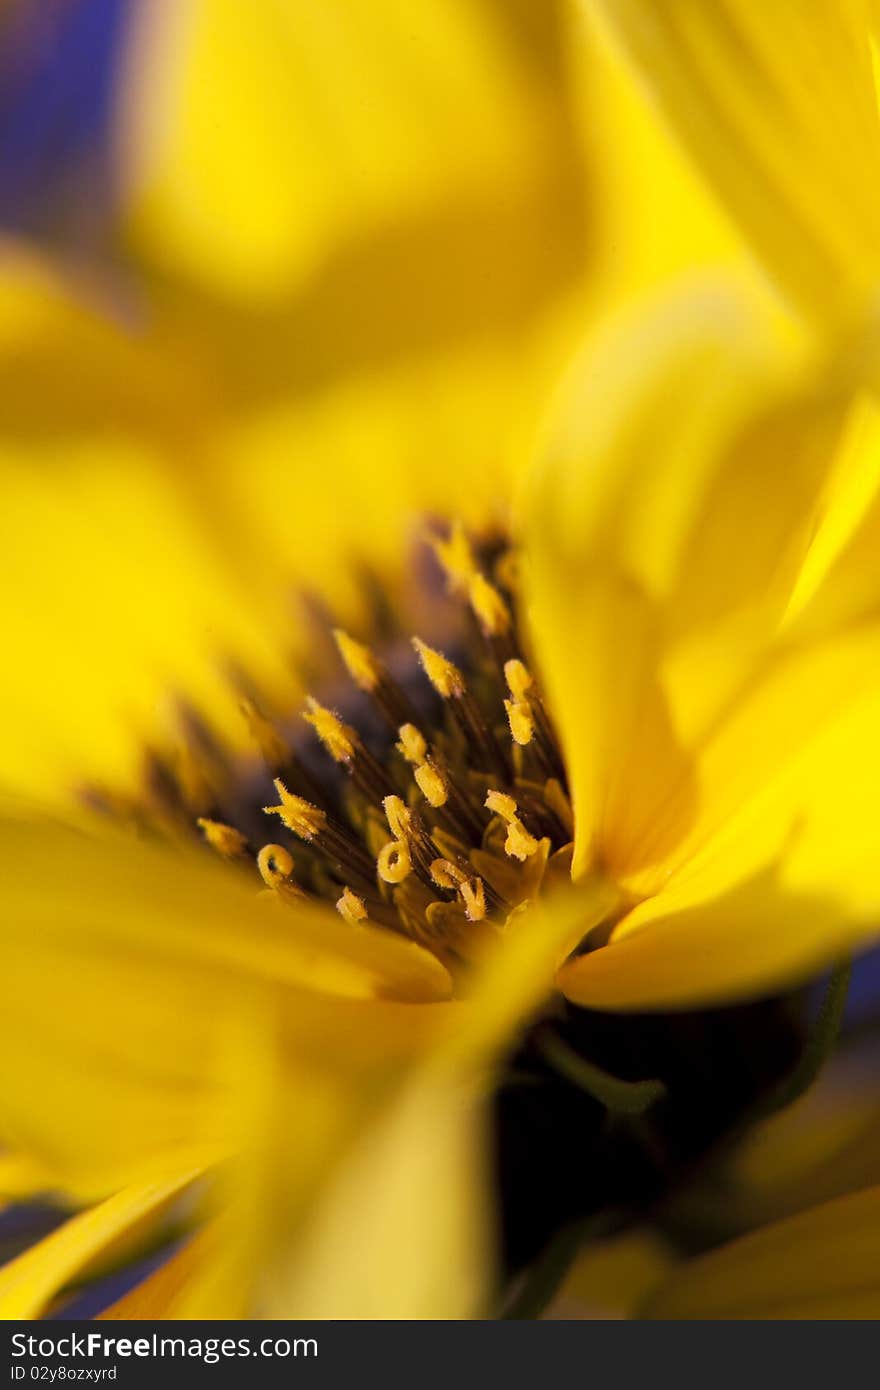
(352, 908)
(344, 745)
(225, 839)
(526, 715)
(339, 739)
(305, 820)
(448, 681)
(519, 843)
(370, 676)
(518, 677)
(310, 823)
(446, 678)
(470, 888)
(521, 721)
(428, 777)
(409, 830)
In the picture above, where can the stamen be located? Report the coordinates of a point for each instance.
(519, 679)
(519, 843)
(470, 889)
(270, 742)
(275, 750)
(275, 864)
(486, 824)
(448, 681)
(352, 908)
(428, 777)
(305, 820)
(393, 862)
(489, 607)
(521, 721)
(225, 839)
(360, 663)
(529, 716)
(456, 558)
(313, 825)
(370, 676)
(408, 828)
(446, 678)
(344, 745)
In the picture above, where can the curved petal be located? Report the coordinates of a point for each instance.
(787, 886)
(304, 133)
(29, 1282)
(824, 1264)
(777, 105)
(129, 974)
(664, 543)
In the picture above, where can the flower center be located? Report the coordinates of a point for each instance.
(440, 804)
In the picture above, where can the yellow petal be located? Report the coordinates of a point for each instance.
(788, 885)
(664, 543)
(320, 138)
(404, 1230)
(776, 103)
(29, 1282)
(824, 1264)
(653, 216)
(126, 970)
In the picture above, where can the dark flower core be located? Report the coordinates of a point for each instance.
(422, 791)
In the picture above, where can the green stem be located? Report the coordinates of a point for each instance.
(619, 1097)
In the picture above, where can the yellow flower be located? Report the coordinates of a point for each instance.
(777, 105)
(671, 702)
(705, 635)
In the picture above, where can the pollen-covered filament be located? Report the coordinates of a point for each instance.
(442, 826)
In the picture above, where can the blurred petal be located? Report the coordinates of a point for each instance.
(404, 1231)
(28, 1283)
(788, 885)
(128, 971)
(822, 1264)
(330, 132)
(777, 105)
(648, 606)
